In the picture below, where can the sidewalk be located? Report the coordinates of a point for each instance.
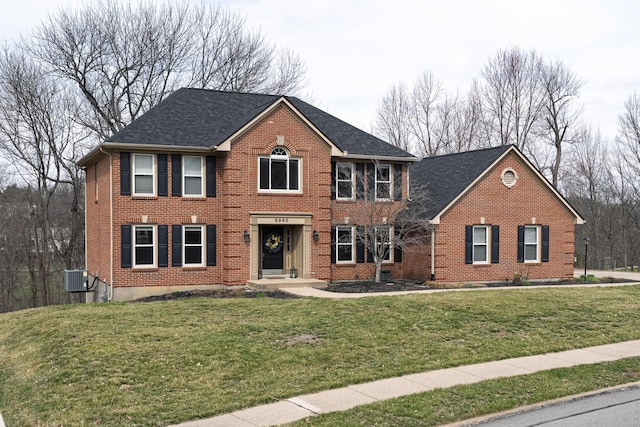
(341, 399)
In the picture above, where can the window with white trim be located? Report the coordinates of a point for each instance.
(193, 254)
(144, 252)
(143, 175)
(382, 236)
(192, 172)
(531, 245)
(344, 243)
(344, 180)
(279, 172)
(480, 244)
(383, 182)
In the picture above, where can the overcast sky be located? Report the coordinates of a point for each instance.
(356, 50)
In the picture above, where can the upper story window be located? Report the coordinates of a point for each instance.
(344, 180)
(143, 174)
(192, 176)
(383, 182)
(279, 172)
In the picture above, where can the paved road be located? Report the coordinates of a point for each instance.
(620, 407)
(609, 273)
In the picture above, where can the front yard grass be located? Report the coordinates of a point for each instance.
(165, 362)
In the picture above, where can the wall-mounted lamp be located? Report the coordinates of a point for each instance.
(246, 236)
(315, 235)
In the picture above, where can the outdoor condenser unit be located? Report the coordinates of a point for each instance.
(76, 280)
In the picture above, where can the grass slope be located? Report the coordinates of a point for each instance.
(164, 362)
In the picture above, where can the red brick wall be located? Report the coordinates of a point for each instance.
(528, 202)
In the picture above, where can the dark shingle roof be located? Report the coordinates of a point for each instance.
(445, 177)
(206, 118)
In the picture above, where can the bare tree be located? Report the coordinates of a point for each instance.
(560, 116)
(124, 58)
(38, 134)
(512, 98)
(393, 118)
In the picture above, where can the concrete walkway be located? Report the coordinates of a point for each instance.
(309, 405)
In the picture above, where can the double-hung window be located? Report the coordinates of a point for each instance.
(344, 180)
(344, 243)
(144, 254)
(531, 243)
(192, 176)
(193, 245)
(383, 182)
(480, 244)
(382, 237)
(143, 174)
(279, 172)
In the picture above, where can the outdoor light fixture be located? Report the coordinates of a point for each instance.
(315, 235)
(246, 236)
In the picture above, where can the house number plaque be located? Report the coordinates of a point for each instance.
(281, 220)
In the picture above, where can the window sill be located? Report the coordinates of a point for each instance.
(280, 193)
(344, 264)
(144, 269)
(195, 198)
(193, 268)
(144, 197)
(482, 265)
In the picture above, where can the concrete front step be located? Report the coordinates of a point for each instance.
(286, 282)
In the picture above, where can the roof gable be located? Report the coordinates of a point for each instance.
(206, 119)
(447, 178)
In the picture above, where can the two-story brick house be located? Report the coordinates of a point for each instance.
(211, 189)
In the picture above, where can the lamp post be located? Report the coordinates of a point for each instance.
(586, 247)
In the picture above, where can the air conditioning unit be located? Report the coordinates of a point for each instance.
(76, 280)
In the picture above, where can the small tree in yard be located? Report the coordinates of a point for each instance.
(386, 222)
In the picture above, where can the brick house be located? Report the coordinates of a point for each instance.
(495, 218)
(211, 189)
(214, 189)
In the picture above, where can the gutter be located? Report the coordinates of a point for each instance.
(110, 221)
(86, 159)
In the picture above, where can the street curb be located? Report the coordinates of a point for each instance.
(497, 415)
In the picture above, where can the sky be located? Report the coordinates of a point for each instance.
(356, 50)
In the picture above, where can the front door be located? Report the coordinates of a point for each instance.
(272, 249)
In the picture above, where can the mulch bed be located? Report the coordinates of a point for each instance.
(222, 293)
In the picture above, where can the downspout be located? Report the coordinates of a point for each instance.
(110, 221)
(433, 254)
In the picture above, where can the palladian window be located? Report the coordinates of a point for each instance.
(279, 172)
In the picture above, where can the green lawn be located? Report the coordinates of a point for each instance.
(165, 362)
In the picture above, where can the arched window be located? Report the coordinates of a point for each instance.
(279, 172)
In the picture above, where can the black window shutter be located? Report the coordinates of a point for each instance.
(545, 243)
(368, 243)
(359, 244)
(264, 173)
(125, 246)
(211, 245)
(333, 245)
(371, 181)
(333, 181)
(176, 175)
(397, 182)
(176, 245)
(125, 174)
(163, 185)
(521, 243)
(468, 244)
(359, 181)
(163, 245)
(211, 177)
(495, 244)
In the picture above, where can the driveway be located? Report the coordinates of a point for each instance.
(610, 273)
